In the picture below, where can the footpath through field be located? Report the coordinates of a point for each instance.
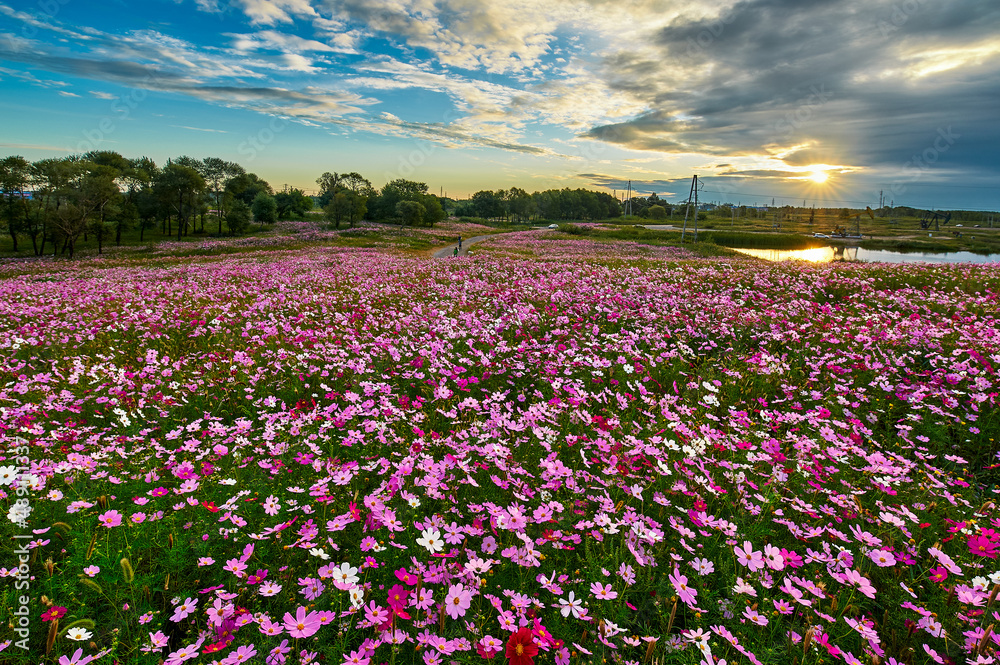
(445, 252)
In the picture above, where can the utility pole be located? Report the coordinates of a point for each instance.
(687, 207)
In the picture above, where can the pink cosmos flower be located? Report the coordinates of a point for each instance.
(110, 519)
(302, 624)
(241, 655)
(684, 592)
(748, 557)
(603, 592)
(754, 617)
(269, 589)
(184, 609)
(882, 558)
(773, 558)
(458, 601)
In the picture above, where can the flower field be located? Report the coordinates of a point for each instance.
(554, 451)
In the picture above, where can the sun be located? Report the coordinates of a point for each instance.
(819, 177)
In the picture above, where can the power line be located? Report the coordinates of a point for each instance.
(820, 201)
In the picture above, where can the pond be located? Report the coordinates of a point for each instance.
(841, 253)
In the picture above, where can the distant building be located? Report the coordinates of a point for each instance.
(24, 195)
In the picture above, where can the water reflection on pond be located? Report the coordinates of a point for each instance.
(842, 253)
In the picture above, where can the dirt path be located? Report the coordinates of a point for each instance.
(448, 251)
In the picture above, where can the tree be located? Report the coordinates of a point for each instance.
(238, 217)
(329, 185)
(265, 208)
(88, 189)
(179, 186)
(411, 212)
(15, 172)
(136, 177)
(293, 202)
(384, 205)
(656, 212)
(433, 212)
(487, 204)
(218, 174)
(246, 186)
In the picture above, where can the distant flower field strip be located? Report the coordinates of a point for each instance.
(553, 451)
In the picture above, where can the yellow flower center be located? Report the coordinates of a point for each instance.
(519, 649)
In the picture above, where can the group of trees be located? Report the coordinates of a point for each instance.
(350, 197)
(517, 205)
(102, 193)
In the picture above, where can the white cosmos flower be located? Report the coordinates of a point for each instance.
(431, 539)
(316, 551)
(346, 574)
(78, 634)
(7, 475)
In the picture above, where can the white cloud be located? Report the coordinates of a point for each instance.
(270, 12)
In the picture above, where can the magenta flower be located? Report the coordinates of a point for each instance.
(398, 597)
(257, 577)
(458, 601)
(110, 519)
(302, 624)
(938, 574)
(982, 546)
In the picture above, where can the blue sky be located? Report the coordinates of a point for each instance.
(761, 98)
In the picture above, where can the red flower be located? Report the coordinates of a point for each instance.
(520, 648)
(210, 506)
(53, 613)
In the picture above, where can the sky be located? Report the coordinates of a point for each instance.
(840, 103)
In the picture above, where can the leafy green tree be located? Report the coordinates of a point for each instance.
(265, 208)
(246, 186)
(656, 212)
(410, 212)
(294, 202)
(487, 204)
(383, 206)
(15, 172)
(238, 217)
(179, 187)
(218, 174)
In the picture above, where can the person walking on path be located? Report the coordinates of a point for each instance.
(456, 252)
(460, 242)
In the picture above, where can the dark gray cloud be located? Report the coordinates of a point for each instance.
(864, 83)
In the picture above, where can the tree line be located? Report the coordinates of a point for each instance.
(54, 202)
